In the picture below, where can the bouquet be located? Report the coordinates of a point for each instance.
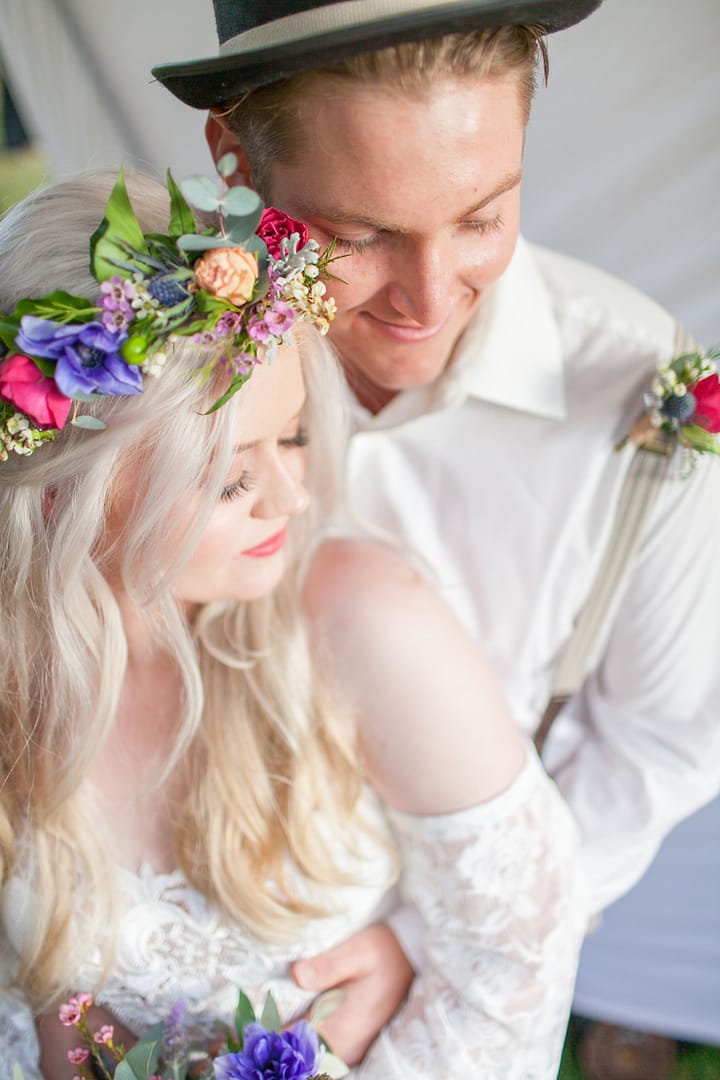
(255, 1050)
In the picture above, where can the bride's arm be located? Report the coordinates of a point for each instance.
(487, 845)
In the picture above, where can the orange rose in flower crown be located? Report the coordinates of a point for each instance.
(229, 273)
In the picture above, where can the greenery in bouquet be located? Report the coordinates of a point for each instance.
(254, 1050)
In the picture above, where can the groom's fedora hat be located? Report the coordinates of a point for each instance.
(263, 41)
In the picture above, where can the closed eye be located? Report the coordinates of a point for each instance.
(243, 484)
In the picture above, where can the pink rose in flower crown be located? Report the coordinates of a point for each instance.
(229, 273)
(707, 403)
(23, 385)
(275, 226)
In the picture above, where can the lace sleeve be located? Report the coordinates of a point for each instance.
(19, 1041)
(504, 912)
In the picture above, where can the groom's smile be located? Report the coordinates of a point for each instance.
(423, 195)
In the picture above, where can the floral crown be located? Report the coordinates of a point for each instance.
(231, 290)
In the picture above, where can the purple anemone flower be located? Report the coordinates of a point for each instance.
(272, 1055)
(88, 356)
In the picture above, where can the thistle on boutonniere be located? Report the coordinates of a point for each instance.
(682, 407)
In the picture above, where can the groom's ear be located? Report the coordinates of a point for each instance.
(222, 141)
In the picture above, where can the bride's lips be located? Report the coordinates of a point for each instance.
(403, 331)
(269, 546)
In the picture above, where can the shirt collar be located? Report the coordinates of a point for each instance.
(509, 355)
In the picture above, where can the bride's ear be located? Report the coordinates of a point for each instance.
(222, 141)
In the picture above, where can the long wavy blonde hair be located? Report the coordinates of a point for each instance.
(270, 776)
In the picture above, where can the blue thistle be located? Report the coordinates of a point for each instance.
(679, 408)
(167, 290)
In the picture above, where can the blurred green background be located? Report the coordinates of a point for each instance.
(22, 166)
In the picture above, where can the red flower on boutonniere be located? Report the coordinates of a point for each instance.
(683, 406)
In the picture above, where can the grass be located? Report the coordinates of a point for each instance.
(694, 1062)
(21, 171)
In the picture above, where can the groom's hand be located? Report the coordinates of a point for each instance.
(373, 971)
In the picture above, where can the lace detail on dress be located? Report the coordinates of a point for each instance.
(505, 912)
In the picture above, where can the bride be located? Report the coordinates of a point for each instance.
(186, 806)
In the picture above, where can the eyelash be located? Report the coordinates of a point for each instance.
(241, 486)
(245, 481)
(493, 225)
(356, 247)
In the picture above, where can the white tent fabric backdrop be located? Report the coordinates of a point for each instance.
(622, 169)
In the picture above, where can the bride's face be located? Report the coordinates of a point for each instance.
(241, 554)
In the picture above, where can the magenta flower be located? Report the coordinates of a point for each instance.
(78, 1056)
(279, 317)
(70, 1013)
(24, 386)
(115, 297)
(104, 1035)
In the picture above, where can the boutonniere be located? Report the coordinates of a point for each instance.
(682, 407)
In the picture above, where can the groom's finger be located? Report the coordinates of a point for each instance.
(374, 974)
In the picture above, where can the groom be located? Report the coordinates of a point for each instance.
(492, 381)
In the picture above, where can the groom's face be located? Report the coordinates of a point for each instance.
(423, 194)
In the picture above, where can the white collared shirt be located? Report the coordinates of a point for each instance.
(503, 477)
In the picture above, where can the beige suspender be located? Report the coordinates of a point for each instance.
(641, 488)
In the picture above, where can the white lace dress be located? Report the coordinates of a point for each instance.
(503, 911)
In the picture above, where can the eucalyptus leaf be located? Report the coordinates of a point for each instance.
(140, 1062)
(698, 438)
(244, 1015)
(90, 423)
(332, 1065)
(241, 201)
(326, 1004)
(243, 226)
(85, 397)
(200, 192)
(182, 219)
(118, 227)
(270, 1016)
(193, 242)
(227, 165)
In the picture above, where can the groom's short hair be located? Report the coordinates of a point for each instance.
(265, 119)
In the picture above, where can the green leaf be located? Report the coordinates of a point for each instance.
(47, 367)
(270, 1016)
(182, 219)
(60, 306)
(193, 242)
(231, 391)
(118, 225)
(200, 192)
(326, 1004)
(140, 1062)
(91, 423)
(227, 165)
(8, 330)
(18, 1073)
(241, 202)
(697, 438)
(244, 1015)
(332, 1065)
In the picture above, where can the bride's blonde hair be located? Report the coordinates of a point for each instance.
(270, 779)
